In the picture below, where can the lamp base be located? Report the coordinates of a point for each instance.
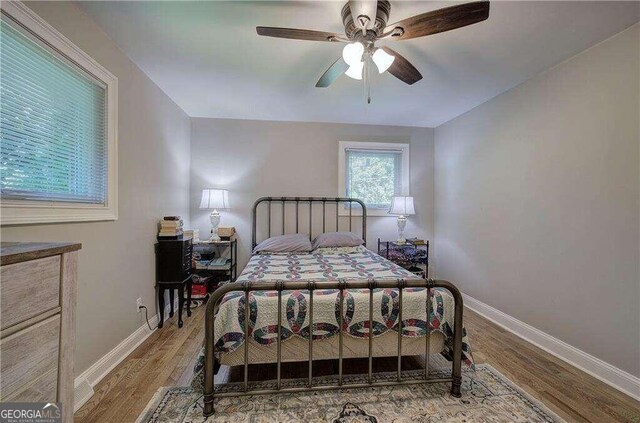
(215, 221)
(402, 222)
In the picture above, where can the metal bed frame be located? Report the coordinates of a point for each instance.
(341, 285)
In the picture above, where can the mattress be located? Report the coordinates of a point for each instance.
(297, 349)
(295, 329)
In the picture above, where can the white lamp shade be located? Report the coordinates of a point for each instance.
(402, 205)
(352, 53)
(382, 59)
(214, 199)
(355, 70)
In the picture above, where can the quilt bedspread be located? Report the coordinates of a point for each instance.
(364, 264)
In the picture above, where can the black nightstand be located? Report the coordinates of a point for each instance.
(173, 271)
(412, 256)
(210, 274)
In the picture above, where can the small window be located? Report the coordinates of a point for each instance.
(57, 154)
(374, 173)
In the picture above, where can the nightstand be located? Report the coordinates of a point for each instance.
(412, 256)
(214, 262)
(173, 271)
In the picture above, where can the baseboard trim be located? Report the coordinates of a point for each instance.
(601, 370)
(82, 392)
(84, 383)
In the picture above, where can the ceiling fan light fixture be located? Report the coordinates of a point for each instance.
(366, 22)
(382, 59)
(352, 53)
(355, 70)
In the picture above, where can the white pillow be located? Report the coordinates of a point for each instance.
(337, 239)
(291, 243)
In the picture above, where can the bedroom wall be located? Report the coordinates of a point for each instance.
(262, 158)
(537, 199)
(117, 258)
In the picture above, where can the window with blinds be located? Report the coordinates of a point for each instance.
(373, 176)
(53, 124)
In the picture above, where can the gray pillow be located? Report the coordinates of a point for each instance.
(292, 243)
(337, 239)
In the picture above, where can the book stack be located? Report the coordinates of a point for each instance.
(219, 263)
(202, 264)
(171, 227)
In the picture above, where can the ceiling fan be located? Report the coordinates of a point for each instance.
(365, 23)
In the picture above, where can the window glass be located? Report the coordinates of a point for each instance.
(373, 176)
(53, 136)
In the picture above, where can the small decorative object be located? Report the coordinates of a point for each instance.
(403, 207)
(194, 234)
(215, 199)
(226, 232)
(416, 241)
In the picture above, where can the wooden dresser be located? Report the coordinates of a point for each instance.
(37, 322)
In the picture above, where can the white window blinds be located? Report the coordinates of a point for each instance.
(53, 136)
(374, 176)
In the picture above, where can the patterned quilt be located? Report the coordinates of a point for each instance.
(319, 267)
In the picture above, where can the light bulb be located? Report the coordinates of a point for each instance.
(352, 53)
(382, 59)
(355, 70)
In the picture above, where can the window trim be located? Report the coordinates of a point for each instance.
(370, 145)
(14, 212)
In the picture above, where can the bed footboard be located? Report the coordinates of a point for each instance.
(341, 285)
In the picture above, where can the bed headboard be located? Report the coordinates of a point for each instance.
(306, 214)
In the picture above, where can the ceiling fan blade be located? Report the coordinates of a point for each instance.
(297, 34)
(402, 69)
(338, 68)
(363, 13)
(440, 20)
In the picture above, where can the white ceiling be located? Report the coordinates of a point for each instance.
(207, 57)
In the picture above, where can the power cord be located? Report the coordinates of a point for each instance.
(146, 315)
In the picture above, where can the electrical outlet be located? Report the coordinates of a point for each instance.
(139, 304)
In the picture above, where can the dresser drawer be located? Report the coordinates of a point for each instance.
(173, 260)
(19, 300)
(27, 355)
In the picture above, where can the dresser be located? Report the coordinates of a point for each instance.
(37, 323)
(173, 272)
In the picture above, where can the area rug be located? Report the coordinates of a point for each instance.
(487, 396)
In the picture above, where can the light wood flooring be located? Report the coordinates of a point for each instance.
(166, 359)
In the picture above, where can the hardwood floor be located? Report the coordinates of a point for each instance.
(571, 393)
(166, 358)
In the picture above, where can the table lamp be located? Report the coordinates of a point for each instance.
(403, 207)
(214, 199)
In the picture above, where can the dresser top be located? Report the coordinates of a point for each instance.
(16, 252)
